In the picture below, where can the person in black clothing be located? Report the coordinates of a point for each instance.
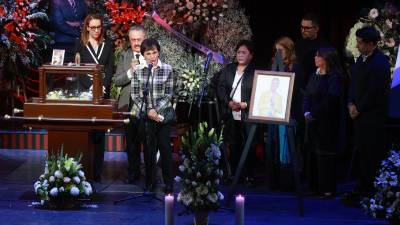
(94, 48)
(322, 114)
(367, 105)
(66, 17)
(307, 46)
(234, 91)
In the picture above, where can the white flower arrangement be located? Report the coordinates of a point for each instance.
(63, 181)
(200, 172)
(387, 22)
(386, 201)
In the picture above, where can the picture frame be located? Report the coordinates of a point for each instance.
(271, 97)
(57, 58)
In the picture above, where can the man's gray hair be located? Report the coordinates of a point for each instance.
(137, 28)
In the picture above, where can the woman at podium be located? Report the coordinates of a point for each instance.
(94, 48)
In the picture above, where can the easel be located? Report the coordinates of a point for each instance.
(290, 133)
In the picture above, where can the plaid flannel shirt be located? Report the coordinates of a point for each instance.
(161, 84)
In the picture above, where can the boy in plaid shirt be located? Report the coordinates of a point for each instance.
(155, 80)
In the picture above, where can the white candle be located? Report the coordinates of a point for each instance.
(239, 210)
(169, 206)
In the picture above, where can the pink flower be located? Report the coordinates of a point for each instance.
(190, 5)
(373, 13)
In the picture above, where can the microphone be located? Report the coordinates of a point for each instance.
(137, 56)
(208, 61)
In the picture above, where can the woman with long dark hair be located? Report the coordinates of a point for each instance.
(234, 91)
(322, 112)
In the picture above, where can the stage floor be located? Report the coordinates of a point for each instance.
(19, 169)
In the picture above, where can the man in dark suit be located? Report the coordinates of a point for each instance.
(307, 46)
(67, 17)
(126, 66)
(367, 105)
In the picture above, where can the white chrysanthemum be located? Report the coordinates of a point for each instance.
(81, 173)
(181, 168)
(76, 180)
(54, 191)
(220, 196)
(74, 191)
(87, 188)
(67, 179)
(61, 189)
(178, 179)
(58, 174)
(52, 179)
(45, 183)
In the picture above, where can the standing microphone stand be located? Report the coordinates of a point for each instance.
(142, 119)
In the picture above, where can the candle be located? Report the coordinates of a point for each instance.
(239, 210)
(169, 206)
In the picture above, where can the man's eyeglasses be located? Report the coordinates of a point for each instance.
(306, 28)
(95, 28)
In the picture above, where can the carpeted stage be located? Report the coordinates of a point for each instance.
(19, 169)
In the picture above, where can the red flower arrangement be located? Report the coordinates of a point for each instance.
(123, 16)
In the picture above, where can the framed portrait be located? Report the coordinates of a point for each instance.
(58, 57)
(271, 97)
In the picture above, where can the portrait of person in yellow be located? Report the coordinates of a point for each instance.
(270, 101)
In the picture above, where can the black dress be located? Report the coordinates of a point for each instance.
(104, 56)
(322, 100)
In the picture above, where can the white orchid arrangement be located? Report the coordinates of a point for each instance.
(63, 181)
(200, 172)
(386, 201)
(387, 22)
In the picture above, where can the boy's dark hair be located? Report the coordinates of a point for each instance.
(149, 44)
(368, 35)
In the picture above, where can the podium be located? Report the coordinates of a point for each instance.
(71, 107)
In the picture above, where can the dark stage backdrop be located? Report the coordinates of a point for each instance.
(270, 20)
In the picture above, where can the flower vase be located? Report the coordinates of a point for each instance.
(201, 218)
